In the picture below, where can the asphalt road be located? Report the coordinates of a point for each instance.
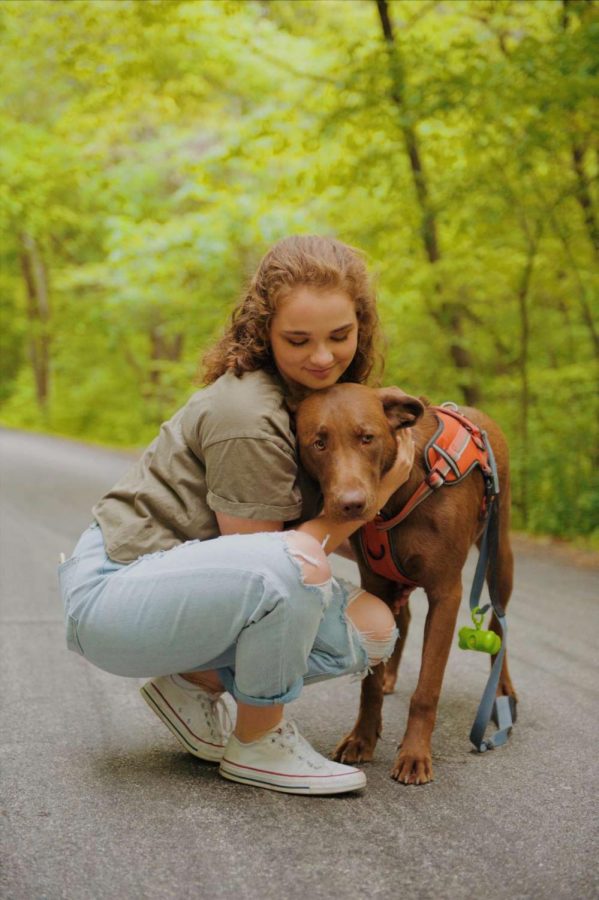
(98, 800)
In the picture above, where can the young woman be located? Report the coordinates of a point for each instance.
(206, 565)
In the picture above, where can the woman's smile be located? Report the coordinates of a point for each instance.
(320, 373)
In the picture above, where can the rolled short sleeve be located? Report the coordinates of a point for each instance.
(253, 478)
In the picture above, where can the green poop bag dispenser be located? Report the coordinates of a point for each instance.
(477, 638)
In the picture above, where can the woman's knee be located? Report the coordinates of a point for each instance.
(311, 557)
(376, 624)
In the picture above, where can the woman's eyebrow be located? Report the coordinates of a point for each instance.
(334, 331)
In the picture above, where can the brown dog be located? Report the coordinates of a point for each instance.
(346, 436)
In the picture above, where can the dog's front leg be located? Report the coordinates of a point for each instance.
(413, 764)
(358, 746)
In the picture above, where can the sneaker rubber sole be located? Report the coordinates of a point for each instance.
(178, 727)
(296, 784)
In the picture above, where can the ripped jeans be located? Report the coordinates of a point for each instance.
(237, 604)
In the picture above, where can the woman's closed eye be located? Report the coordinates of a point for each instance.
(336, 340)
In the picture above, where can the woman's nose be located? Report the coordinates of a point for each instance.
(322, 357)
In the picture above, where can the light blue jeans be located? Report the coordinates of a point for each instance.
(237, 604)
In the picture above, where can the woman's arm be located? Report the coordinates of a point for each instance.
(236, 525)
(319, 528)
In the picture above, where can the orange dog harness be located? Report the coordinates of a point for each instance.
(455, 450)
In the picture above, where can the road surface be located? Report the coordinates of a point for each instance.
(98, 801)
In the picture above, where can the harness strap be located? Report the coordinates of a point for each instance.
(447, 462)
(378, 553)
(420, 494)
(450, 409)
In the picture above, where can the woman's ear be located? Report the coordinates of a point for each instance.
(401, 410)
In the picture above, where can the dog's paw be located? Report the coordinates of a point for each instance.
(355, 748)
(412, 767)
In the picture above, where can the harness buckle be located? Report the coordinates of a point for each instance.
(435, 480)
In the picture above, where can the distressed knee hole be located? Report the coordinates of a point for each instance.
(375, 624)
(378, 648)
(370, 615)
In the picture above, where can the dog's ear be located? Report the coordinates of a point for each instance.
(401, 410)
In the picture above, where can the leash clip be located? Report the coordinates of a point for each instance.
(493, 476)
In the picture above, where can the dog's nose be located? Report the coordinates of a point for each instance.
(353, 504)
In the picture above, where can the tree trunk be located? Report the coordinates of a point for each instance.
(449, 316)
(523, 292)
(428, 221)
(583, 195)
(38, 315)
(578, 150)
(163, 349)
(585, 305)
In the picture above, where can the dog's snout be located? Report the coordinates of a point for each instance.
(353, 503)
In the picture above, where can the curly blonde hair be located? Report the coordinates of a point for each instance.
(299, 260)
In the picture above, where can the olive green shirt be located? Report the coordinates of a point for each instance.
(230, 449)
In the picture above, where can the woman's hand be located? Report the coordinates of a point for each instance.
(400, 471)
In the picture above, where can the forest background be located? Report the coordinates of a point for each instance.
(153, 149)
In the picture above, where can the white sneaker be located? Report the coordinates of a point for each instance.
(283, 760)
(199, 720)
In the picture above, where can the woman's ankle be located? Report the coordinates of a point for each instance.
(253, 722)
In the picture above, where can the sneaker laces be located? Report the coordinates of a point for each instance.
(288, 737)
(216, 713)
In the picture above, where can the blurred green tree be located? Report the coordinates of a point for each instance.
(153, 149)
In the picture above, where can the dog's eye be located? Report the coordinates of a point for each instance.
(367, 438)
(319, 444)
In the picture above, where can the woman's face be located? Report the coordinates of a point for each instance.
(314, 336)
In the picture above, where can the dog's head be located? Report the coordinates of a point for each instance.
(346, 439)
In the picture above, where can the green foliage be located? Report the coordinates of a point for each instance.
(153, 149)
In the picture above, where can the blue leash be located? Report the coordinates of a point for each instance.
(500, 708)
